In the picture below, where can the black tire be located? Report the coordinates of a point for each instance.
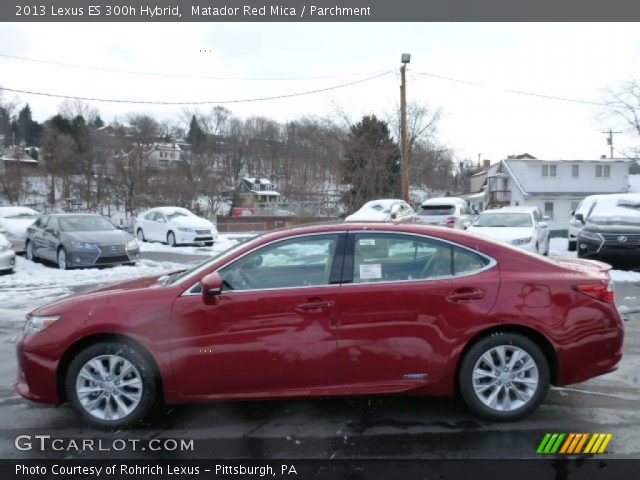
(61, 250)
(140, 235)
(573, 245)
(208, 244)
(465, 376)
(148, 402)
(29, 254)
(171, 235)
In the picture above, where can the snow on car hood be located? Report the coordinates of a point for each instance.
(3, 241)
(17, 227)
(101, 237)
(502, 234)
(192, 222)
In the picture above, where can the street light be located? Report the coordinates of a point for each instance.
(406, 58)
(404, 150)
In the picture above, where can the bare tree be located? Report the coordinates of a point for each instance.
(623, 107)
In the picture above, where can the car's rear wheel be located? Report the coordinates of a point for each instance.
(504, 376)
(140, 235)
(62, 259)
(572, 245)
(171, 239)
(111, 385)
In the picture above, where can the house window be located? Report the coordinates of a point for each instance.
(603, 171)
(548, 209)
(575, 170)
(549, 170)
(574, 206)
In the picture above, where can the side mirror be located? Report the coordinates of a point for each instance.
(543, 224)
(394, 215)
(211, 287)
(579, 217)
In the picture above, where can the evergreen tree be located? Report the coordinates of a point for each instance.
(196, 136)
(26, 129)
(371, 164)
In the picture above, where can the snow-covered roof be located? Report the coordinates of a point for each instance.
(512, 209)
(10, 211)
(261, 181)
(169, 210)
(21, 160)
(452, 201)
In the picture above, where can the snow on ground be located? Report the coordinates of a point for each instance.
(224, 242)
(558, 247)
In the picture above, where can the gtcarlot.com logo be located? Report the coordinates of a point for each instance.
(574, 443)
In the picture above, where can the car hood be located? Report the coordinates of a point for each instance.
(102, 237)
(193, 222)
(16, 228)
(502, 234)
(97, 295)
(614, 224)
(3, 241)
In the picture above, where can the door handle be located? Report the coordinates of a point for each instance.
(465, 295)
(315, 306)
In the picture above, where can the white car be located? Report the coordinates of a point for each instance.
(522, 227)
(384, 210)
(452, 212)
(15, 221)
(7, 255)
(174, 226)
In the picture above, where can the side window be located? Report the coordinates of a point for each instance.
(297, 262)
(465, 261)
(52, 223)
(380, 257)
(150, 216)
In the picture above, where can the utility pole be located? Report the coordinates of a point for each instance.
(610, 141)
(404, 142)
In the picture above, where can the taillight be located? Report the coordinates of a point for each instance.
(599, 291)
(450, 222)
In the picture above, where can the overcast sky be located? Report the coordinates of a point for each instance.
(565, 60)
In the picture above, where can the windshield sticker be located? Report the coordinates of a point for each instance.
(371, 271)
(367, 241)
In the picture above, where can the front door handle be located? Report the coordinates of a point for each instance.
(465, 295)
(315, 306)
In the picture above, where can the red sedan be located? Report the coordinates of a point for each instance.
(347, 309)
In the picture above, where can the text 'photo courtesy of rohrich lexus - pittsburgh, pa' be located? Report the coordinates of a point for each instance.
(340, 309)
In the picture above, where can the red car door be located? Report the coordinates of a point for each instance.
(405, 301)
(273, 329)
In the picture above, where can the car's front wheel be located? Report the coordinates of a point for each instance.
(140, 235)
(111, 385)
(504, 376)
(29, 252)
(62, 259)
(572, 245)
(171, 239)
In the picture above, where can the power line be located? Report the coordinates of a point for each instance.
(215, 102)
(177, 75)
(518, 92)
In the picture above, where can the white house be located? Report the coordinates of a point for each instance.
(163, 154)
(554, 186)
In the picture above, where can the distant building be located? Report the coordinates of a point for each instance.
(162, 155)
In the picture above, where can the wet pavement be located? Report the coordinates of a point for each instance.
(376, 427)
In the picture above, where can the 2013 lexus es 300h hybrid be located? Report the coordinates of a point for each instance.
(345, 309)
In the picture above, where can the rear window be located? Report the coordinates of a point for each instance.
(437, 210)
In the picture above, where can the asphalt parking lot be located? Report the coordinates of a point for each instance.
(376, 427)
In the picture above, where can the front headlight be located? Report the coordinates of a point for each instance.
(84, 245)
(521, 241)
(4, 248)
(37, 323)
(575, 223)
(590, 236)
(132, 244)
(185, 229)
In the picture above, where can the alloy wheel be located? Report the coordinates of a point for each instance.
(29, 252)
(140, 235)
(62, 259)
(171, 239)
(109, 387)
(505, 378)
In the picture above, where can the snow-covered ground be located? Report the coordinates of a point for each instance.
(559, 247)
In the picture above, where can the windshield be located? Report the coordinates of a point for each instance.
(194, 271)
(172, 215)
(84, 224)
(437, 210)
(504, 220)
(22, 216)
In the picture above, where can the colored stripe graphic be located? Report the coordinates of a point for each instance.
(572, 443)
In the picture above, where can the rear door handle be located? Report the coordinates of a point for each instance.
(315, 306)
(465, 295)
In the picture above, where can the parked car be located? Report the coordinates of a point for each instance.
(577, 216)
(80, 240)
(174, 226)
(384, 210)
(611, 230)
(7, 255)
(341, 309)
(452, 212)
(523, 227)
(15, 221)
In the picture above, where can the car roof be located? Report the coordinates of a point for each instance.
(16, 210)
(512, 210)
(73, 215)
(166, 209)
(385, 202)
(449, 201)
